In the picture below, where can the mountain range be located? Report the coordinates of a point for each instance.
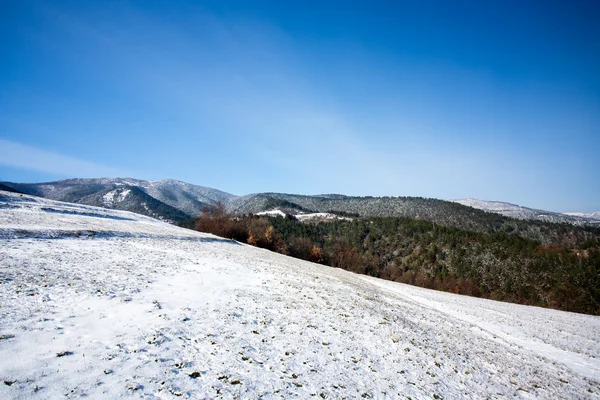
(519, 212)
(173, 200)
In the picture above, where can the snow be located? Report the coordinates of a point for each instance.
(592, 215)
(515, 211)
(109, 198)
(495, 206)
(124, 194)
(272, 213)
(107, 304)
(120, 194)
(320, 217)
(306, 217)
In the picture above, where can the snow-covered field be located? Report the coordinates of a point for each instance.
(107, 304)
(272, 213)
(306, 217)
(321, 217)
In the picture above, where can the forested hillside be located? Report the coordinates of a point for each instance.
(564, 274)
(433, 210)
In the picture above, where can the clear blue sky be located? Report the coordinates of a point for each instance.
(496, 100)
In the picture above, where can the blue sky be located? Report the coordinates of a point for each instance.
(496, 100)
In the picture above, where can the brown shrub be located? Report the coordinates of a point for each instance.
(316, 255)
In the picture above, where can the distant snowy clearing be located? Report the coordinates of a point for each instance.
(272, 213)
(306, 217)
(108, 304)
(321, 217)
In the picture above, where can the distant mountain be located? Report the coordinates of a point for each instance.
(165, 199)
(592, 215)
(524, 213)
(184, 196)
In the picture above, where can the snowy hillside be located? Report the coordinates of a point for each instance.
(592, 215)
(168, 198)
(515, 211)
(106, 304)
(184, 196)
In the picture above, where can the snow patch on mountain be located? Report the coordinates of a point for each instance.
(496, 206)
(115, 196)
(317, 217)
(303, 216)
(272, 213)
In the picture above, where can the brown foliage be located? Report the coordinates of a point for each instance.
(262, 234)
(316, 255)
(252, 239)
(342, 255)
(214, 219)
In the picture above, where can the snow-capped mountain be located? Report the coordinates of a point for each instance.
(184, 196)
(133, 198)
(121, 305)
(169, 199)
(592, 215)
(525, 213)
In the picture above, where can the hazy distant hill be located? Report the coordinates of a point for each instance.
(592, 215)
(515, 211)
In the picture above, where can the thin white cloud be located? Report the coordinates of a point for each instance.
(18, 155)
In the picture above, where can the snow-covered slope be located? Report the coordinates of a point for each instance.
(108, 304)
(182, 200)
(184, 196)
(515, 211)
(592, 215)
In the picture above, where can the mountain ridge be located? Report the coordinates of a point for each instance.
(176, 200)
(592, 215)
(168, 199)
(527, 213)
